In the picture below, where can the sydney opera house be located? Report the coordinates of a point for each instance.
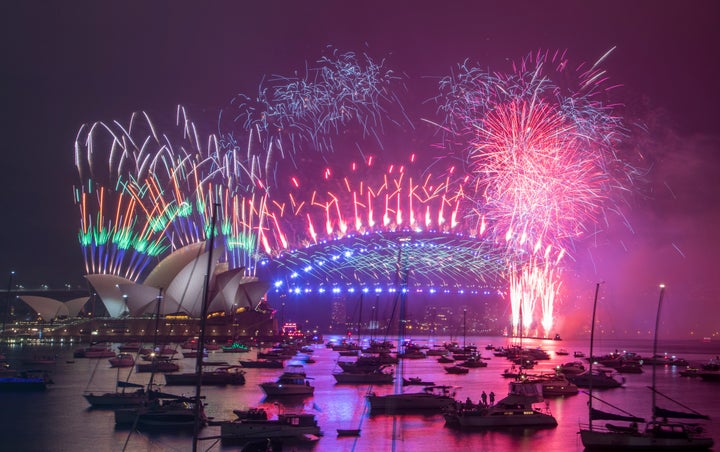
(173, 293)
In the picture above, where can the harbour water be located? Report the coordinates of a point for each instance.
(60, 419)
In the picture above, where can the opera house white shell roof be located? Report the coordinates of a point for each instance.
(178, 281)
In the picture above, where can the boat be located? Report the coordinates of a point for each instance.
(562, 352)
(348, 432)
(515, 410)
(571, 368)
(287, 425)
(292, 382)
(235, 347)
(122, 360)
(597, 378)
(122, 398)
(416, 381)
(473, 362)
(226, 375)
(458, 370)
(262, 363)
(430, 399)
(377, 377)
(170, 414)
(577, 354)
(554, 385)
(194, 354)
(157, 365)
(25, 381)
(659, 433)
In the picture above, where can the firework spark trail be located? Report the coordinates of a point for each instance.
(172, 180)
(290, 114)
(163, 192)
(365, 200)
(543, 156)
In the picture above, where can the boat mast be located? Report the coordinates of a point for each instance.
(360, 317)
(154, 361)
(402, 277)
(203, 316)
(592, 340)
(464, 328)
(657, 325)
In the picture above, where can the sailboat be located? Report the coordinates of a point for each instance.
(431, 398)
(659, 433)
(177, 412)
(154, 410)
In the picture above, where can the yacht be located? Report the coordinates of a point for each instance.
(163, 414)
(599, 378)
(515, 410)
(292, 382)
(431, 398)
(555, 385)
(286, 425)
(378, 376)
(116, 399)
(226, 375)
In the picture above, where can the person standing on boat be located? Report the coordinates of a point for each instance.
(484, 398)
(492, 398)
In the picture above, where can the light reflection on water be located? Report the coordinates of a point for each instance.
(59, 419)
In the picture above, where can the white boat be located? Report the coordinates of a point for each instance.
(658, 434)
(571, 368)
(431, 398)
(556, 385)
(285, 426)
(515, 410)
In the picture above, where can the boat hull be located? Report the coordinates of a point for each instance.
(208, 379)
(397, 403)
(111, 400)
(279, 390)
(604, 440)
(360, 378)
(505, 420)
(246, 430)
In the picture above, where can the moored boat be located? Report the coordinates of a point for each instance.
(122, 360)
(430, 399)
(25, 381)
(287, 425)
(227, 375)
(515, 410)
(292, 382)
(377, 376)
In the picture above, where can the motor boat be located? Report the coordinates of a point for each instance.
(430, 399)
(515, 410)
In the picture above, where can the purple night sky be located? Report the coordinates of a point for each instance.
(70, 63)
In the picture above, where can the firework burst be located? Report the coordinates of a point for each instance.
(544, 164)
